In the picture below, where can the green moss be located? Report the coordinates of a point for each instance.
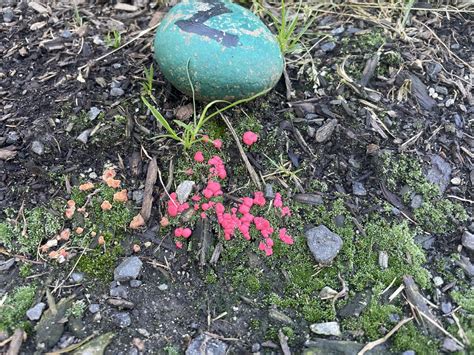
(440, 216)
(13, 310)
(7, 234)
(41, 224)
(77, 309)
(25, 270)
(373, 319)
(245, 280)
(465, 299)
(211, 277)
(100, 264)
(409, 337)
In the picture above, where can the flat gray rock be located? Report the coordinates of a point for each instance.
(129, 269)
(326, 328)
(204, 344)
(122, 319)
(468, 241)
(35, 312)
(184, 190)
(323, 243)
(439, 173)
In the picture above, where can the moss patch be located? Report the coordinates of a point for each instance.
(13, 310)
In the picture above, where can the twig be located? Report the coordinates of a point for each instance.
(373, 344)
(460, 199)
(150, 181)
(70, 272)
(16, 341)
(284, 343)
(141, 34)
(249, 166)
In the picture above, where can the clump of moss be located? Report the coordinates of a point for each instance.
(7, 233)
(25, 236)
(100, 264)
(25, 270)
(409, 337)
(373, 319)
(440, 216)
(464, 299)
(13, 310)
(435, 215)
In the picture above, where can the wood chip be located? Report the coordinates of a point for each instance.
(7, 153)
(151, 177)
(38, 7)
(16, 341)
(185, 112)
(156, 19)
(325, 132)
(125, 7)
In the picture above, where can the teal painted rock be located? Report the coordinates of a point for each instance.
(231, 53)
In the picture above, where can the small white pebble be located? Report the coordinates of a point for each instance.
(456, 180)
(438, 281)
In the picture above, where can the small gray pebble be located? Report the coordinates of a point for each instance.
(163, 287)
(37, 147)
(446, 307)
(77, 276)
(116, 92)
(135, 283)
(34, 313)
(256, 347)
(328, 46)
(94, 308)
(122, 319)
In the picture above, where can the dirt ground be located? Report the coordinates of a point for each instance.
(371, 135)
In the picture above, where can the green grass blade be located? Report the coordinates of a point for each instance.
(160, 119)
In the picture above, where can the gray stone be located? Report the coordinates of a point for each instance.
(116, 92)
(94, 308)
(446, 307)
(135, 283)
(204, 344)
(383, 259)
(37, 147)
(122, 319)
(439, 173)
(450, 345)
(438, 281)
(77, 277)
(468, 241)
(339, 220)
(339, 347)
(84, 136)
(93, 113)
(269, 191)
(279, 316)
(137, 196)
(323, 243)
(409, 352)
(394, 318)
(328, 46)
(119, 291)
(327, 328)
(129, 269)
(35, 312)
(416, 201)
(163, 287)
(184, 190)
(358, 189)
(7, 264)
(12, 137)
(443, 90)
(327, 293)
(66, 34)
(338, 31)
(8, 15)
(256, 347)
(356, 305)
